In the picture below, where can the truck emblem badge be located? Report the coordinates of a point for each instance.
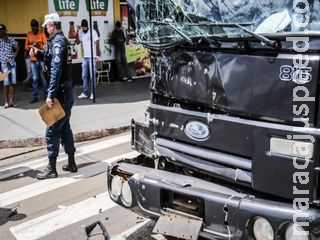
(197, 131)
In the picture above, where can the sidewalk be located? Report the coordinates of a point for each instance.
(115, 106)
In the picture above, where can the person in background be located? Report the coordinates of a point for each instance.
(8, 51)
(27, 82)
(36, 39)
(58, 60)
(85, 39)
(118, 40)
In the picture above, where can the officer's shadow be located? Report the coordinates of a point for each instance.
(24, 172)
(10, 214)
(19, 172)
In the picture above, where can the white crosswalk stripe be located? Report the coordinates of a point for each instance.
(38, 163)
(51, 222)
(40, 187)
(129, 231)
(62, 217)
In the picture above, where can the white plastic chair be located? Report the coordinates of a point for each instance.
(103, 71)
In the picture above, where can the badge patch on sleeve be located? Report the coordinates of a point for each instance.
(56, 59)
(57, 48)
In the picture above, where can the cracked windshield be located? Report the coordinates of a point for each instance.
(169, 21)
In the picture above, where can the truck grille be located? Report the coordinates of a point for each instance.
(212, 162)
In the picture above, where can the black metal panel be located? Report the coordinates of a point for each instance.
(224, 207)
(227, 137)
(208, 167)
(210, 155)
(273, 173)
(241, 139)
(251, 84)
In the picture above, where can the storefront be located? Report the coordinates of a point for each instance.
(104, 14)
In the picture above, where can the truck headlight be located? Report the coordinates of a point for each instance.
(126, 194)
(116, 184)
(262, 229)
(291, 148)
(290, 235)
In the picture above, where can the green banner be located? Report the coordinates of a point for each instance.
(66, 5)
(135, 51)
(97, 5)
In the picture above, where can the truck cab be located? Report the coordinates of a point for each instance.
(229, 148)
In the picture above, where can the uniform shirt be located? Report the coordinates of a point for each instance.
(7, 50)
(38, 41)
(60, 65)
(86, 43)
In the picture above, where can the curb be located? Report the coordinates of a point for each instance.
(18, 153)
(78, 137)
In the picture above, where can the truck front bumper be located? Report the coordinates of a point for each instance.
(226, 214)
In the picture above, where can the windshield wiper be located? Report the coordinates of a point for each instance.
(168, 23)
(188, 39)
(266, 41)
(263, 39)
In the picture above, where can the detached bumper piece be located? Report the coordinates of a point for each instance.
(179, 226)
(215, 211)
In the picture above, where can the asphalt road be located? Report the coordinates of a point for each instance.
(61, 208)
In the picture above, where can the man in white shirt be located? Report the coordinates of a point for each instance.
(85, 39)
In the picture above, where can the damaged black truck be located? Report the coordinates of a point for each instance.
(230, 142)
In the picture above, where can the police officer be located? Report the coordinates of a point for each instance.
(58, 61)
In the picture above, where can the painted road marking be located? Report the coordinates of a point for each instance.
(51, 222)
(21, 168)
(124, 235)
(47, 185)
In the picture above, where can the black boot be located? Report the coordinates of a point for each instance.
(50, 171)
(71, 166)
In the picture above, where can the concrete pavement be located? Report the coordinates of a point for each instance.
(115, 106)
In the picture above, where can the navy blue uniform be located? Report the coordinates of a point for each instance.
(58, 62)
